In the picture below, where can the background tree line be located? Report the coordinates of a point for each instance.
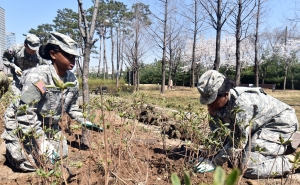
(185, 37)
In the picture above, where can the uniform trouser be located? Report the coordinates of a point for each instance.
(26, 155)
(271, 161)
(16, 87)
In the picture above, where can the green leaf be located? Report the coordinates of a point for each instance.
(58, 82)
(69, 84)
(187, 179)
(287, 142)
(232, 177)
(50, 86)
(281, 140)
(219, 176)
(297, 157)
(175, 180)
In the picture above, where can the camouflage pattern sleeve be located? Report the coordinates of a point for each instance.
(75, 112)
(73, 109)
(8, 56)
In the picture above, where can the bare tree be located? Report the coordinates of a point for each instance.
(174, 27)
(136, 44)
(163, 61)
(161, 36)
(105, 64)
(87, 31)
(218, 12)
(194, 15)
(296, 17)
(178, 47)
(256, 62)
(241, 22)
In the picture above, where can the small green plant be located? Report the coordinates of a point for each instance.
(219, 177)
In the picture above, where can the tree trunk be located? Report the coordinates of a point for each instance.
(163, 62)
(112, 53)
(218, 37)
(256, 62)
(138, 80)
(292, 81)
(105, 67)
(87, 35)
(238, 44)
(100, 52)
(122, 54)
(285, 75)
(263, 76)
(170, 65)
(194, 47)
(85, 75)
(118, 57)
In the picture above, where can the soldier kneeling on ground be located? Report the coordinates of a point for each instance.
(260, 127)
(32, 123)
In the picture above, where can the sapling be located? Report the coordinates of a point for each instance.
(62, 86)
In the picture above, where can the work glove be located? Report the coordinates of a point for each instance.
(48, 149)
(204, 165)
(18, 70)
(91, 126)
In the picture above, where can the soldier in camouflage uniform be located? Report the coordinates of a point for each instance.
(4, 83)
(46, 110)
(264, 118)
(20, 57)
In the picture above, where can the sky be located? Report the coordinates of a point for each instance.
(22, 15)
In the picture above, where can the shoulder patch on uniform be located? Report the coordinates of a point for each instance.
(41, 86)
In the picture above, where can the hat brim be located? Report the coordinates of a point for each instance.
(33, 48)
(70, 51)
(205, 100)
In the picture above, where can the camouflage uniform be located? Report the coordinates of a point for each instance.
(269, 119)
(16, 56)
(46, 111)
(4, 83)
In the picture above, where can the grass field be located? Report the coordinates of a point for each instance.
(182, 97)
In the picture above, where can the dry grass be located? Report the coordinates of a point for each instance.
(180, 97)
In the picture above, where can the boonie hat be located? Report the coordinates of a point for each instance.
(208, 86)
(67, 44)
(32, 41)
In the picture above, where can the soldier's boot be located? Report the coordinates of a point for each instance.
(2, 153)
(84, 140)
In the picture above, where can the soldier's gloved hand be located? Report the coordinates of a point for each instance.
(204, 165)
(18, 70)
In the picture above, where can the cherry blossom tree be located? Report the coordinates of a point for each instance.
(287, 53)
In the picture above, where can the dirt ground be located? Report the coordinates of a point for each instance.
(135, 156)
